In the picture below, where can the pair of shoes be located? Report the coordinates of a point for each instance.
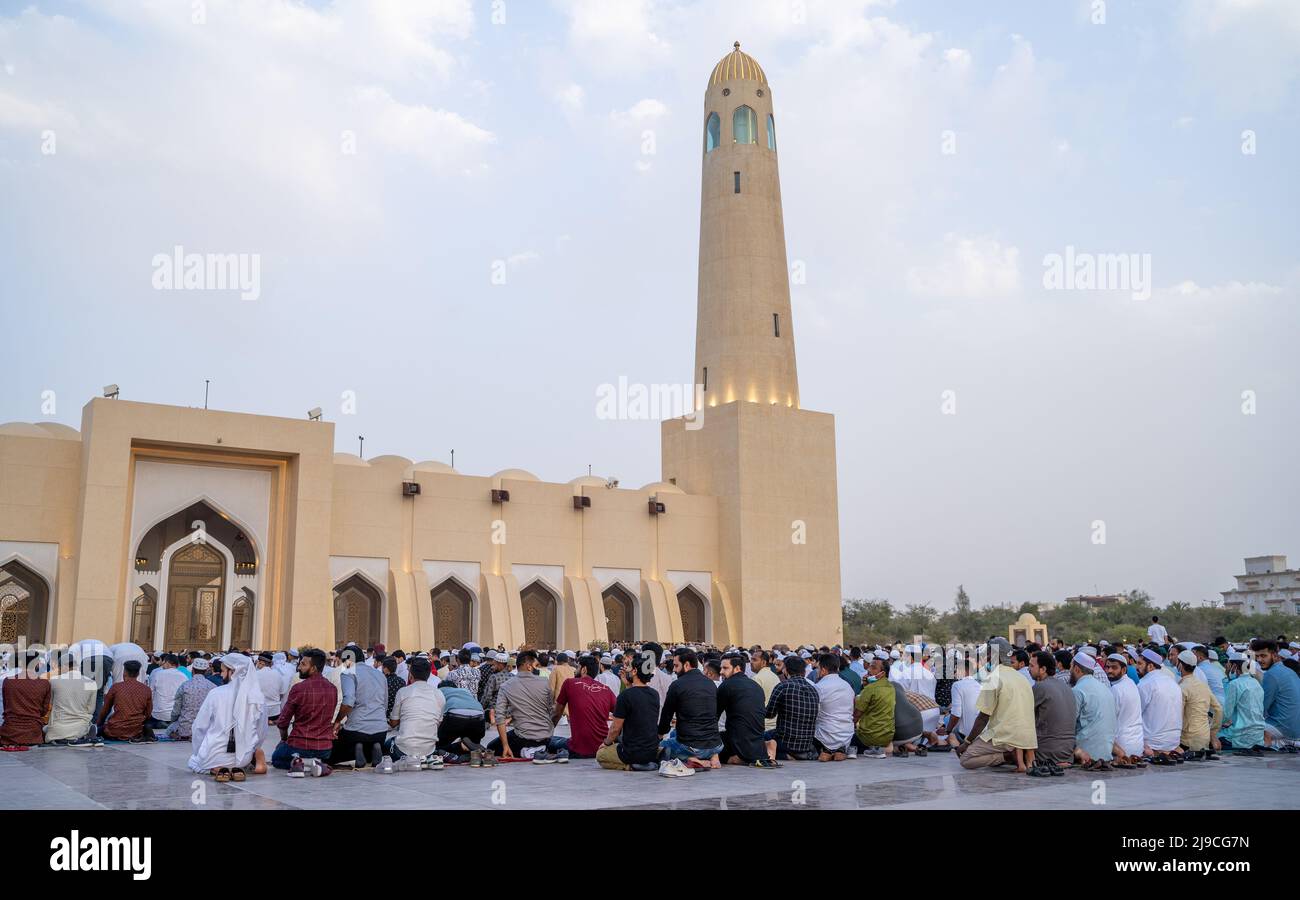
(771, 763)
(874, 753)
(921, 751)
(384, 766)
(475, 759)
(316, 768)
(1039, 771)
(674, 768)
(645, 767)
(433, 762)
(221, 776)
(900, 752)
(532, 752)
(295, 767)
(544, 758)
(851, 752)
(489, 758)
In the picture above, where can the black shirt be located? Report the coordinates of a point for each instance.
(741, 698)
(638, 707)
(694, 700)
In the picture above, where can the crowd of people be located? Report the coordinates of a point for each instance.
(674, 711)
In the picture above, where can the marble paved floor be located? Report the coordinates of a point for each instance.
(154, 776)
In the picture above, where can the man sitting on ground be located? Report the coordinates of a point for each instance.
(588, 703)
(693, 700)
(309, 711)
(127, 706)
(189, 700)
(740, 699)
(523, 716)
(1094, 732)
(633, 739)
(417, 714)
(873, 712)
(1055, 716)
(26, 698)
(463, 722)
(1128, 713)
(1202, 712)
(231, 724)
(72, 705)
(834, 711)
(1162, 710)
(793, 705)
(1281, 697)
(1243, 710)
(165, 681)
(271, 682)
(1006, 712)
(363, 710)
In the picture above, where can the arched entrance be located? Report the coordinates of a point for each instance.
(357, 605)
(241, 620)
(620, 614)
(452, 608)
(24, 598)
(196, 593)
(540, 606)
(693, 610)
(144, 614)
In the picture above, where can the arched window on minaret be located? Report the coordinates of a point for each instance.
(712, 133)
(771, 133)
(743, 126)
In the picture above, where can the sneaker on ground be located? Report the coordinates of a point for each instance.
(385, 766)
(852, 752)
(560, 756)
(296, 768)
(674, 768)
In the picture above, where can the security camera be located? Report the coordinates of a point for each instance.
(314, 414)
(111, 391)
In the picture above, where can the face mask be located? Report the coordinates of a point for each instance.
(870, 679)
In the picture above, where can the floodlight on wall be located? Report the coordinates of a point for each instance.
(111, 391)
(315, 414)
(500, 496)
(657, 508)
(582, 503)
(410, 488)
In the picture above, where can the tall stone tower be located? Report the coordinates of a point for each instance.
(770, 463)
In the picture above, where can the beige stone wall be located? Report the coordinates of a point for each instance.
(743, 273)
(770, 467)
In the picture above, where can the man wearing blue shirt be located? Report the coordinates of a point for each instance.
(1211, 670)
(1281, 698)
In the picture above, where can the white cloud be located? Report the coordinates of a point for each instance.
(968, 268)
(1230, 290)
(641, 113)
(615, 37)
(571, 98)
(515, 260)
(442, 140)
(1246, 52)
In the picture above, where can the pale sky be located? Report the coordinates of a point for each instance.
(384, 159)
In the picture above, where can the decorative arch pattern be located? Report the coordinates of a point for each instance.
(144, 616)
(620, 614)
(744, 126)
(694, 611)
(453, 614)
(24, 598)
(540, 608)
(357, 604)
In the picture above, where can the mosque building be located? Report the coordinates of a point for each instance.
(191, 528)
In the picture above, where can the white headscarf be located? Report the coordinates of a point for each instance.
(238, 706)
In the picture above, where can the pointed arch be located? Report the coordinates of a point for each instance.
(258, 552)
(695, 615)
(144, 616)
(712, 133)
(242, 613)
(24, 603)
(453, 613)
(622, 619)
(358, 602)
(196, 595)
(541, 608)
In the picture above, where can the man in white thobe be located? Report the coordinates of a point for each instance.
(1128, 711)
(1162, 706)
(231, 723)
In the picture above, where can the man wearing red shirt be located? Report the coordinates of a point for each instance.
(589, 703)
(309, 708)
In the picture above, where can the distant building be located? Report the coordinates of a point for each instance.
(1267, 587)
(1095, 601)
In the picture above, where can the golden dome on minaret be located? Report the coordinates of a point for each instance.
(738, 66)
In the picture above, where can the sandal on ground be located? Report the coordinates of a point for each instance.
(237, 774)
(1037, 771)
(221, 775)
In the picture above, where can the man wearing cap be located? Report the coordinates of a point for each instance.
(1162, 708)
(1281, 697)
(607, 676)
(491, 679)
(270, 682)
(189, 699)
(1243, 710)
(1128, 713)
(1202, 712)
(1094, 730)
(1209, 671)
(1006, 713)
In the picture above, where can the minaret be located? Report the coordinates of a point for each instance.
(769, 462)
(744, 340)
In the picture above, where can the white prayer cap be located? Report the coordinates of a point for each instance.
(607, 660)
(475, 657)
(1088, 650)
(1187, 657)
(911, 648)
(1234, 656)
(1083, 661)
(804, 654)
(1294, 645)
(1152, 656)
(1119, 658)
(199, 664)
(881, 654)
(894, 654)
(1285, 654)
(293, 651)
(446, 654)
(1132, 651)
(501, 657)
